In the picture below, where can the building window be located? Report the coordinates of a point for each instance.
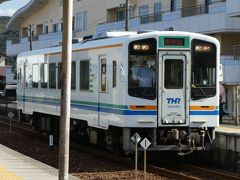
(81, 21)
(173, 5)
(84, 75)
(143, 10)
(39, 29)
(52, 75)
(44, 75)
(45, 30)
(24, 32)
(57, 27)
(143, 13)
(157, 8)
(85, 21)
(35, 75)
(120, 14)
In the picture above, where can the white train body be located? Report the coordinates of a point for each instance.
(181, 106)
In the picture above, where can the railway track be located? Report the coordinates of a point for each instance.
(185, 171)
(211, 173)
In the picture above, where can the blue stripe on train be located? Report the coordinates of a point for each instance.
(215, 112)
(94, 108)
(113, 110)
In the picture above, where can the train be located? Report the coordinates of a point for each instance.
(164, 85)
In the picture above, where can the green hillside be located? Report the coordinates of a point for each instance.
(6, 35)
(3, 22)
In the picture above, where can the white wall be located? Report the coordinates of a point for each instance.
(10, 76)
(233, 7)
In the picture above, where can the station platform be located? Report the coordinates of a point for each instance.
(16, 166)
(228, 129)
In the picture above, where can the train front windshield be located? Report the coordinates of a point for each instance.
(203, 80)
(142, 69)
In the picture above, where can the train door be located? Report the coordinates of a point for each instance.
(172, 85)
(102, 91)
(27, 106)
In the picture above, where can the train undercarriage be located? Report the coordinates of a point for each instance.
(182, 140)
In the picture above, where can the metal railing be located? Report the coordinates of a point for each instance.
(236, 52)
(189, 11)
(192, 11)
(151, 18)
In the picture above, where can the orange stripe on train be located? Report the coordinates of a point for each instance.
(209, 108)
(142, 107)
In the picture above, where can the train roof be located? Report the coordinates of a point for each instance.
(110, 38)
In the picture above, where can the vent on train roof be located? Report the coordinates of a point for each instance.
(145, 31)
(110, 34)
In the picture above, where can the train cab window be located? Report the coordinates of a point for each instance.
(44, 75)
(114, 74)
(73, 76)
(52, 75)
(35, 75)
(203, 78)
(84, 75)
(142, 69)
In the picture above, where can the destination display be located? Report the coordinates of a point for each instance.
(174, 42)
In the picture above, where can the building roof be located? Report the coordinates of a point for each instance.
(22, 14)
(1, 1)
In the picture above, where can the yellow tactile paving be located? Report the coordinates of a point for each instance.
(228, 129)
(7, 175)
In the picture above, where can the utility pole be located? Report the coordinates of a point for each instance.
(30, 37)
(66, 90)
(127, 15)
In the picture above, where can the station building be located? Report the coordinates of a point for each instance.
(42, 21)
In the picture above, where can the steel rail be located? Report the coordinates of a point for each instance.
(208, 172)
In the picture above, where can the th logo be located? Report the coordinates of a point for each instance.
(173, 100)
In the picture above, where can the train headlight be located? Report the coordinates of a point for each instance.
(145, 47)
(137, 47)
(141, 47)
(202, 48)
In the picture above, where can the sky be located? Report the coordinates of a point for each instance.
(8, 8)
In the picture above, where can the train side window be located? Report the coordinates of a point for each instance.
(84, 75)
(35, 75)
(103, 75)
(59, 75)
(44, 75)
(114, 74)
(19, 75)
(73, 78)
(52, 75)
